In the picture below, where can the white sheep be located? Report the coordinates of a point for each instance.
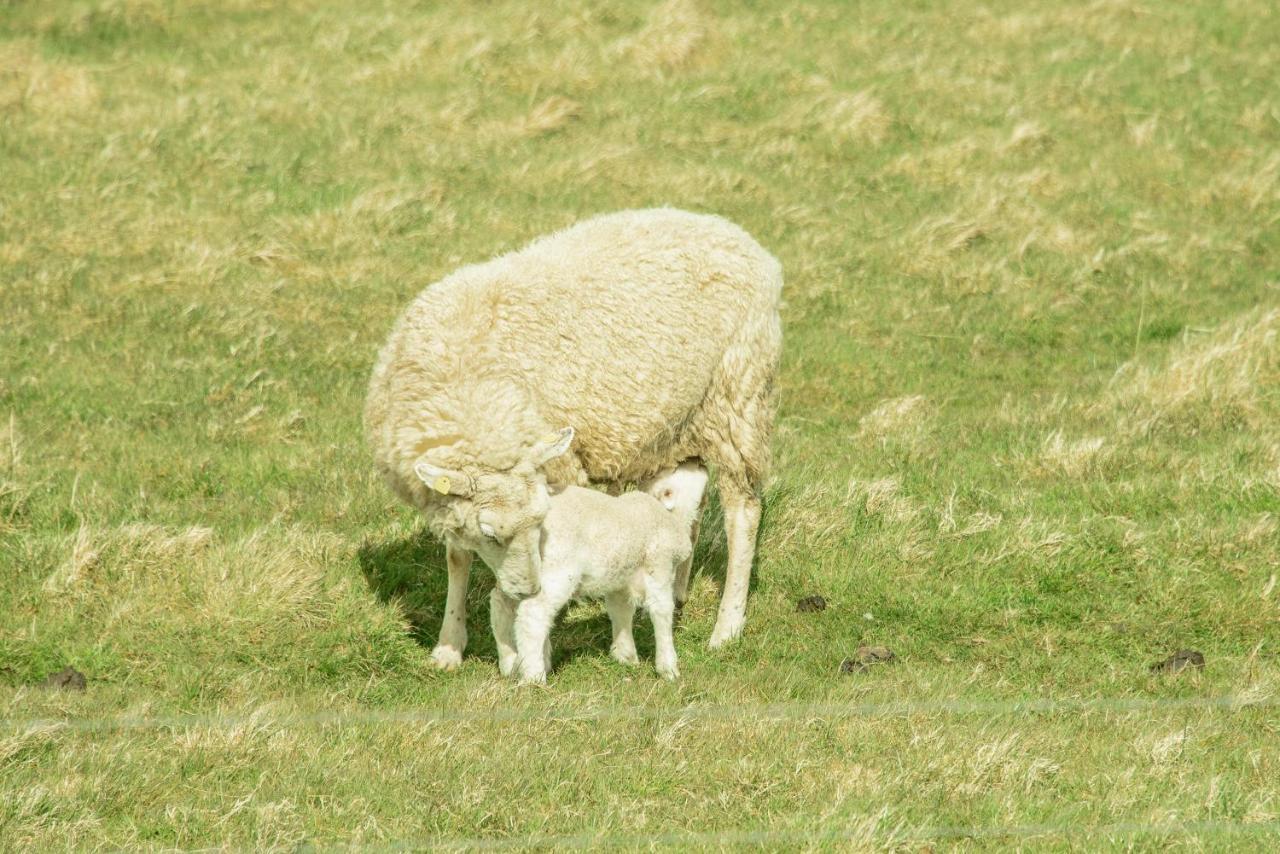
(654, 334)
(625, 550)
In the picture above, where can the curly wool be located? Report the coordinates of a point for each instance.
(653, 333)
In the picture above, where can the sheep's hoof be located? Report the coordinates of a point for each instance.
(671, 673)
(533, 679)
(446, 657)
(725, 633)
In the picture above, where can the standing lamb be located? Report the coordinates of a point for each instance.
(625, 550)
(653, 334)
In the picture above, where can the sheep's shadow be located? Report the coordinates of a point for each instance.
(409, 572)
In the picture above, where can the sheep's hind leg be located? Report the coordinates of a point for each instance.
(621, 613)
(453, 631)
(741, 522)
(502, 616)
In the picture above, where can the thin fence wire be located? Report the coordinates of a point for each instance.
(753, 712)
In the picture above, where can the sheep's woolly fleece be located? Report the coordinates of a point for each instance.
(653, 333)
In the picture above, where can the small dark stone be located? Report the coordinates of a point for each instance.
(1179, 661)
(866, 657)
(811, 604)
(69, 679)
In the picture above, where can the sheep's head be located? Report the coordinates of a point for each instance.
(499, 513)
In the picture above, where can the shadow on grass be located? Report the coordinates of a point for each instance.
(410, 573)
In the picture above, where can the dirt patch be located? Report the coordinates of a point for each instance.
(867, 657)
(1179, 661)
(811, 605)
(68, 679)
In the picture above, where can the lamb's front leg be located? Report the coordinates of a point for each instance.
(534, 617)
(453, 631)
(502, 616)
(621, 613)
(661, 606)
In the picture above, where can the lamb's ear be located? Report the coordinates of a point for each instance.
(443, 481)
(550, 446)
(667, 496)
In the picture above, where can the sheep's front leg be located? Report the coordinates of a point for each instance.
(453, 632)
(621, 613)
(502, 616)
(661, 606)
(534, 617)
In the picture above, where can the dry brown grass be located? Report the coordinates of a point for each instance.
(670, 39)
(29, 82)
(1210, 382)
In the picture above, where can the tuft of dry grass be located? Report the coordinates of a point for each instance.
(857, 117)
(548, 117)
(896, 417)
(29, 82)
(1072, 458)
(1212, 382)
(670, 38)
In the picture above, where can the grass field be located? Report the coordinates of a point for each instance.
(1029, 437)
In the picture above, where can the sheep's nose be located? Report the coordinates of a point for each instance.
(520, 588)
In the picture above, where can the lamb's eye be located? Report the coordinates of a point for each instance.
(487, 530)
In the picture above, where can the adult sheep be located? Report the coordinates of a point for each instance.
(604, 353)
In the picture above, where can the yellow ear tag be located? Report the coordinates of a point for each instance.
(441, 485)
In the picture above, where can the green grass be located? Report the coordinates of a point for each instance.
(1030, 432)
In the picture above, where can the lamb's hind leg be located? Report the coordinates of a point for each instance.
(622, 612)
(681, 589)
(661, 606)
(453, 631)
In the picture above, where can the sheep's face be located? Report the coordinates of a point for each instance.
(499, 514)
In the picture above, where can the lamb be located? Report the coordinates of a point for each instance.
(605, 353)
(625, 550)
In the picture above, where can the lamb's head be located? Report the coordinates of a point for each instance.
(681, 489)
(498, 513)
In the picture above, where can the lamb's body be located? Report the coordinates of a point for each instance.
(654, 334)
(624, 550)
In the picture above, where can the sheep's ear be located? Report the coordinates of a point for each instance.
(550, 446)
(443, 481)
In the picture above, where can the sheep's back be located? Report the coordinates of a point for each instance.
(616, 326)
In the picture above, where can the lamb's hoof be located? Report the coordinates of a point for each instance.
(671, 673)
(446, 658)
(626, 656)
(533, 679)
(508, 667)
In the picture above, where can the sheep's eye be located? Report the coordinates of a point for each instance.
(488, 531)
